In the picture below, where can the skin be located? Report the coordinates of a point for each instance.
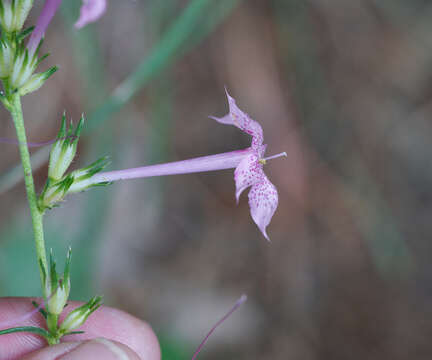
(114, 333)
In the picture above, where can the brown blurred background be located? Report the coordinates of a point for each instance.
(344, 87)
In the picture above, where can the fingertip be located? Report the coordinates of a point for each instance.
(106, 322)
(99, 348)
(121, 327)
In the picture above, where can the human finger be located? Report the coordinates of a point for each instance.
(106, 322)
(98, 348)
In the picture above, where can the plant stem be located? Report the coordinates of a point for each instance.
(36, 214)
(52, 321)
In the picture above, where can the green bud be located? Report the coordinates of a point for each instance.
(78, 316)
(60, 287)
(36, 81)
(13, 14)
(54, 192)
(6, 15)
(23, 68)
(64, 149)
(22, 9)
(82, 177)
(6, 58)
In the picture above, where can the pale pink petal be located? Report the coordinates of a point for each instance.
(243, 121)
(247, 173)
(227, 120)
(263, 201)
(91, 10)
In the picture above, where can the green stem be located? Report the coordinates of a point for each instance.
(36, 214)
(52, 321)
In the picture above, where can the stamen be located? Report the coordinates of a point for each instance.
(275, 156)
(239, 302)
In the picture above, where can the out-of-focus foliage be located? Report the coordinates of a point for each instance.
(344, 87)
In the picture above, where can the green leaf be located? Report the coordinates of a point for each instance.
(31, 329)
(53, 272)
(74, 333)
(23, 34)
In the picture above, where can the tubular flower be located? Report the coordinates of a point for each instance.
(263, 196)
(91, 11)
(248, 164)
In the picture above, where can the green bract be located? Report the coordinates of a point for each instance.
(13, 13)
(77, 317)
(63, 152)
(64, 149)
(19, 60)
(58, 287)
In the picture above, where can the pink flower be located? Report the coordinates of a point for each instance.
(263, 196)
(91, 10)
(248, 164)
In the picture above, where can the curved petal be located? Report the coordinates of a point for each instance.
(263, 201)
(91, 10)
(223, 120)
(248, 173)
(243, 121)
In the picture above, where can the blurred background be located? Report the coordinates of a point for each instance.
(344, 87)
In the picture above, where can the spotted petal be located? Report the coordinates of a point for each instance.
(263, 201)
(243, 121)
(248, 172)
(91, 10)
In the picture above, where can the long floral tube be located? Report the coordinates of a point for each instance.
(49, 9)
(262, 198)
(228, 160)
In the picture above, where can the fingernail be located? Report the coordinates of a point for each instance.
(100, 349)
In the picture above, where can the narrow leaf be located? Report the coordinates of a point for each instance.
(30, 329)
(75, 333)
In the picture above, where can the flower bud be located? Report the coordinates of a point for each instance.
(22, 9)
(6, 58)
(78, 180)
(64, 149)
(6, 15)
(83, 177)
(78, 316)
(36, 81)
(13, 14)
(54, 192)
(60, 287)
(23, 68)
